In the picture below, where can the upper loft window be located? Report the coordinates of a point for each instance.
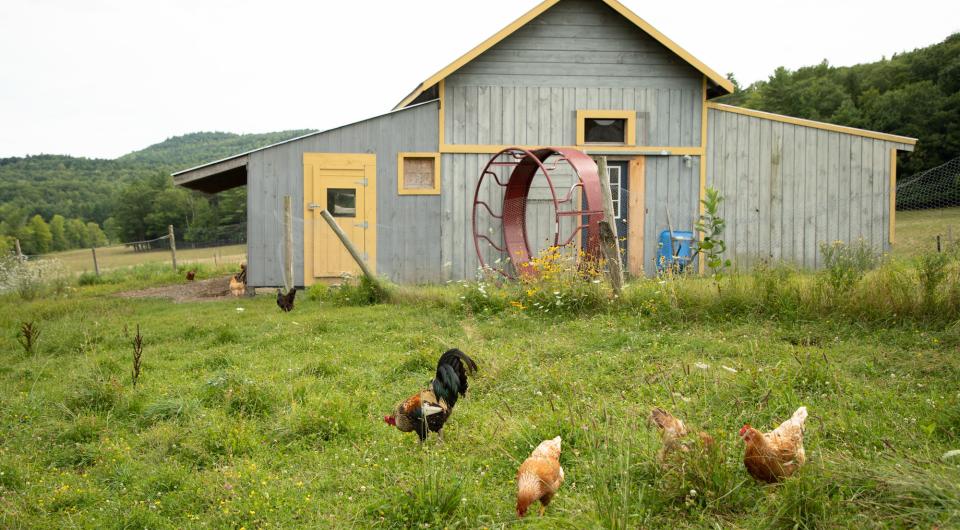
(606, 127)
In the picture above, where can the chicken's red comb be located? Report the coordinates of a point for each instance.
(744, 429)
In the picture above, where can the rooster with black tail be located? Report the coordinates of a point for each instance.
(429, 409)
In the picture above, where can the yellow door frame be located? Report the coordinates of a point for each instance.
(312, 221)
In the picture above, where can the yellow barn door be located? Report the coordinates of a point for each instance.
(345, 185)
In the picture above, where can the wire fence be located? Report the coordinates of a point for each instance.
(928, 210)
(158, 250)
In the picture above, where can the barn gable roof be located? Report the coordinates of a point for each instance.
(714, 78)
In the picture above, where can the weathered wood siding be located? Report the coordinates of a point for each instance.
(672, 182)
(787, 188)
(579, 54)
(408, 231)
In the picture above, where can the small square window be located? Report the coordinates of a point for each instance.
(342, 202)
(418, 173)
(610, 127)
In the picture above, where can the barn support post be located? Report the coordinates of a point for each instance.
(287, 243)
(96, 266)
(609, 244)
(173, 246)
(346, 243)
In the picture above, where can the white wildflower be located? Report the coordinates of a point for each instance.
(702, 366)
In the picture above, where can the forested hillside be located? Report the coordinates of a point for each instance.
(914, 94)
(46, 199)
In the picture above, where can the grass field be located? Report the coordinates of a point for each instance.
(246, 417)
(109, 258)
(916, 231)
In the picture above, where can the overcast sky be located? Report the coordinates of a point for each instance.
(101, 78)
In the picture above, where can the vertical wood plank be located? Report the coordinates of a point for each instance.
(856, 169)
(743, 190)
(810, 201)
(509, 121)
(775, 227)
(878, 221)
(843, 188)
(767, 179)
(832, 205)
(483, 115)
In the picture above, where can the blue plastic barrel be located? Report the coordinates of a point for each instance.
(675, 254)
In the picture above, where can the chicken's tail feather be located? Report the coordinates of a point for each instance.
(800, 416)
(451, 379)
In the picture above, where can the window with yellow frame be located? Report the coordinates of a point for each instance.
(418, 173)
(606, 127)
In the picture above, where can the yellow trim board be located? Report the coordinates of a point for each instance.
(442, 96)
(594, 148)
(445, 72)
(813, 124)
(435, 190)
(630, 134)
(893, 195)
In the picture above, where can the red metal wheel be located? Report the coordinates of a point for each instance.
(526, 166)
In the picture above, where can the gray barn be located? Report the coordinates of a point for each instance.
(587, 74)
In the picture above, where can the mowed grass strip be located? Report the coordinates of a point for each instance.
(248, 417)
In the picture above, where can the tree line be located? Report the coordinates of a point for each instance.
(914, 94)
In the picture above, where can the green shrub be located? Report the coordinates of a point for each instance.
(559, 282)
(352, 292)
(315, 423)
(97, 392)
(426, 500)
(932, 271)
(844, 264)
(318, 369)
(620, 489)
(168, 409)
(84, 429)
(89, 278)
(318, 292)
(10, 477)
(230, 439)
(238, 394)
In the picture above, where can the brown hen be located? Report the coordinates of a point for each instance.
(773, 456)
(539, 477)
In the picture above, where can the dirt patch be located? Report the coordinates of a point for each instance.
(213, 289)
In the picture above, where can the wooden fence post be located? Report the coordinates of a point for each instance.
(346, 242)
(96, 266)
(609, 243)
(16, 243)
(287, 243)
(173, 246)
